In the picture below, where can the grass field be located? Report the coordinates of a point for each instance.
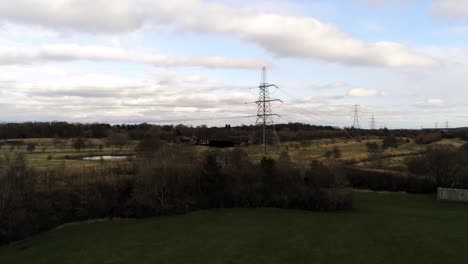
(49, 153)
(384, 228)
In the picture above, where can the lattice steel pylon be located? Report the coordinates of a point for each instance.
(265, 114)
(372, 123)
(356, 117)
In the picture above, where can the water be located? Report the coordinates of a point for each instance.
(105, 158)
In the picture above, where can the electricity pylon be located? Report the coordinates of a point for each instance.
(356, 117)
(372, 122)
(264, 112)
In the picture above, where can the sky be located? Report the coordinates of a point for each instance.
(199, 62)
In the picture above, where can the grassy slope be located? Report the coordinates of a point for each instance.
(384, 228)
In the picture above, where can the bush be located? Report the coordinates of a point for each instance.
(32, 200)
(448, 167)
(390, 142)
(379, 180)
(428, 138)
(31, 147)
(464, 147)
(79, 144)
(375, 154)
(417, 165)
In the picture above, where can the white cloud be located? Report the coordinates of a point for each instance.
(431, 103)
(107, 97)
(363, 92)
(332, 85)
(71, 52)
(381, 3)
(283, 35)
(83, 15)
(286, 35)
(453, 9)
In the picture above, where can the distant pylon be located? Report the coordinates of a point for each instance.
(372, 122)
(356, 117)
(447, 124)
(264, 112)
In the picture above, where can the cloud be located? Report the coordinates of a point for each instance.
(453, 9)
(286, 35)
(382, 3)
(282, 35)
(362, 92)
(105, 97)
(431, 103)
(72, 52)
(332, 85)
(95, 16)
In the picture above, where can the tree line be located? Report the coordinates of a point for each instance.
(250, 133)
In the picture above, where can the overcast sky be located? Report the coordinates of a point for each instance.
(199, 61)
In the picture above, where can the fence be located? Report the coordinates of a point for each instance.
(449, 194)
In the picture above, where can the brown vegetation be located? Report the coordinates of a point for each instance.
(166, 181)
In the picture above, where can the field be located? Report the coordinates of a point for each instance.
(49, 152)
(383, 228)
(352, 151)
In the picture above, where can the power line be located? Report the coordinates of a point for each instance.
(293, 98)
(188, 119)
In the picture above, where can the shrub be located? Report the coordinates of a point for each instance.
(464, 147)
(390, 142)
(30, 147)
(428, 138)
(375, 154)
(79, 144)
(379, 180)
(118, 140)
(417, 165)
(32, 200)
(448, 167)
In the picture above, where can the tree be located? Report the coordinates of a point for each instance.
(318, 176)
(213, 182)
(79, 143)
(118, 140)
(390, 142)
(150, 143)
(375, 154)
(334, 153)
(15, 190)
(447, 166)
(31, 147)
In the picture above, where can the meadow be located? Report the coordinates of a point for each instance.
(61, 152)
(383, 228)
(52, 152)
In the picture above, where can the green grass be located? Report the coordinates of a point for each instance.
(47, 154)
(384, 228)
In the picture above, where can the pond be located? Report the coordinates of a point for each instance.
(105, 158)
